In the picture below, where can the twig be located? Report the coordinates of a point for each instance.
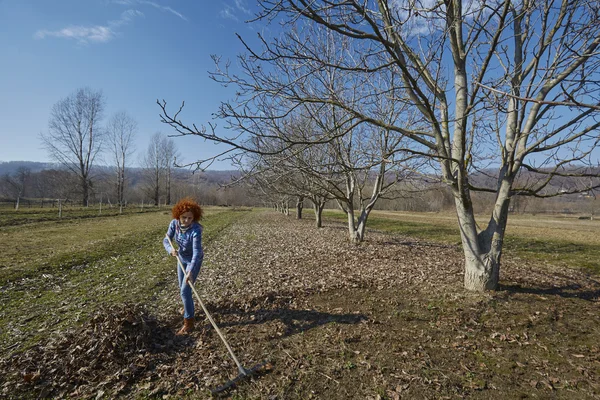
(289, 355)
(12, 346)
(328, 377)
(552, 103)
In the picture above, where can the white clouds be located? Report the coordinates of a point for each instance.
(153, 4)
(241, 5)
(82, 34)
(418, 17)
(229, 11)
(107, 32)
(91, 34)
(126, 17)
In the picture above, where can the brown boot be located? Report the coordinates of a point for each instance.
(188, 326)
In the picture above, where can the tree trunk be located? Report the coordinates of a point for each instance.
(482, 270)
(299, 206)
(156, 193)
(318, 207)
(351, 225)
(168, 178)
(121, 188)
(86, 192)
(359, 234)
(483, 250)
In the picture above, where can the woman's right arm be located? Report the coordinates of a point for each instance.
(170, 235)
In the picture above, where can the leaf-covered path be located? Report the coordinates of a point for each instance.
(385, 319)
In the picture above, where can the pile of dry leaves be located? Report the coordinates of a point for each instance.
(107, 351)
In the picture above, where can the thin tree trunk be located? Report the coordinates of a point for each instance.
(299, 206)
(318, 208)
(156, 192)
(168, 185)
(86, 192)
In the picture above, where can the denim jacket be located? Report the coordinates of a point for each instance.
(190, 244)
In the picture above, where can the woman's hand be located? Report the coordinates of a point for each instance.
(174, 252)
(189, 279)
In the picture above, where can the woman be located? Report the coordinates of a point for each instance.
(187, 232)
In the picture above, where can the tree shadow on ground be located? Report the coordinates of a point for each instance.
(565, 291)
(295, 321)
(415, 243)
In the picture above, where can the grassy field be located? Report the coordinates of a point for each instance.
(58, 272)
(384, 320)
(566, 241)
(26, 215)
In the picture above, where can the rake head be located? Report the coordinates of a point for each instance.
(244, 374)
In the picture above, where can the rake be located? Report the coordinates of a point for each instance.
(243, 372)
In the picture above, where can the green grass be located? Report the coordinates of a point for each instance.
(571, 253)
(96, 267)
(9, 216)
(418, 230)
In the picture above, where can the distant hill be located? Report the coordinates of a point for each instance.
(216, 177)
(483, 179)
(10, 167)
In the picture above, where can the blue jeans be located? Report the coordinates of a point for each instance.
(186, 291)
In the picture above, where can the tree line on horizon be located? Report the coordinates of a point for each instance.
(44, 184)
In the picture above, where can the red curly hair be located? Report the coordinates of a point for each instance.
(187, 204)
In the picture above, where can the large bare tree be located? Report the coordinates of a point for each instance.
(74, 137)
(508, 88)
(121, 131)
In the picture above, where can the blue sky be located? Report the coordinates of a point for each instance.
(135, 51)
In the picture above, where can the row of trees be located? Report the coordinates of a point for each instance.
(44, 188)
(401, 89)
(77, 139)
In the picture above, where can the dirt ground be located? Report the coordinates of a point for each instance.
(387, 319)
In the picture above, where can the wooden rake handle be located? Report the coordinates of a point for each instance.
(240, 368)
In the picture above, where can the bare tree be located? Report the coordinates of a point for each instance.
(153, 164)
(16, 183)
(121, 131)
(58, 184)
(285, 123)
(74, 136)
(170, 154)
